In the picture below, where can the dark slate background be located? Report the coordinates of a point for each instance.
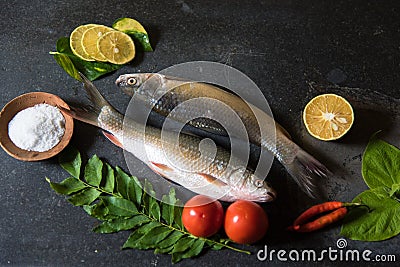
(293, 50)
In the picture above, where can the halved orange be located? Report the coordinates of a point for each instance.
(328, 117)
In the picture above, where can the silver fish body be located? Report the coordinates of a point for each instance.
(215, 173)
(163, 94)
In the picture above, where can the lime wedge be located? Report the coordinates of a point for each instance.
(136, 31)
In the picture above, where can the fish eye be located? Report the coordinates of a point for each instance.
(131, 81)
(259, 183)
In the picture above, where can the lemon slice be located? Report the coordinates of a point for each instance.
(90, 38)
(328, 117)
(75, 42)
(117, 47)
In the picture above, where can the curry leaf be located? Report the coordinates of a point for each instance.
(119, 202)
(84, 197)
(121, 224)
(126, 186)
(68, 186)
(379, 224)
(93, 171)
(120, 206)
(381, 164)
(168, 207)
(195, 248)
(109, 182)
(70, 160)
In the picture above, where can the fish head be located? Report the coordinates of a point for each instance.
(248, 186)
(259, 190)
(130, 83)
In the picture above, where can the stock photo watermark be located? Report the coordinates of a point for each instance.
(338, 253)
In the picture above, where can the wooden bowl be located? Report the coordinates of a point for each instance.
(25, 101)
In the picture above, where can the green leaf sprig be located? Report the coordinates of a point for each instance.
(381, 172)
(94, 69)
(73, 64)
(119, 202)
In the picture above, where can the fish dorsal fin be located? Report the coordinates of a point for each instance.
(212, 180)
(283, 130)
(113, 139)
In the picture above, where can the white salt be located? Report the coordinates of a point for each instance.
(38, 128)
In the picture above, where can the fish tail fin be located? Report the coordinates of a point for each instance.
(303, 169)
(91, 113)
(93, 93)
(87, 115)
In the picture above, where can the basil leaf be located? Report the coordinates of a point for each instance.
(381, 164)
(70, 160)
(67, 186)
(91, 69)
(379, 224)
(94, 171)
(84, 197)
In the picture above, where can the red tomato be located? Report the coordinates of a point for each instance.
(202, 216)
(245, 222)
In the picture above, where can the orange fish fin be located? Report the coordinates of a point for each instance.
(162, 167)
(212, 180)
(113, 139)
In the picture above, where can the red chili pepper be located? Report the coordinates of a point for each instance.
(337, 211)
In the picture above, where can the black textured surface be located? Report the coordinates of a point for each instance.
(293, 50)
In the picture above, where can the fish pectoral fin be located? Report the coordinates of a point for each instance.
(113, 139)
(212, 180)
(160, 168)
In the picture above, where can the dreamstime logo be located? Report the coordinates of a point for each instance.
(183, 96)
(340, 253)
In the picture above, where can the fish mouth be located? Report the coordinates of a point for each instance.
(265, 197)
(120, 81)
